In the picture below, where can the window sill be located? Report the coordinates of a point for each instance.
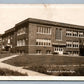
(44, 33)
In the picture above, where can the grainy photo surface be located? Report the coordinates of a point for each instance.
(42, 40)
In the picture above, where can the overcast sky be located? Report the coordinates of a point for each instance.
(10, 14)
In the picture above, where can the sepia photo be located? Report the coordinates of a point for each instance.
(41, 40)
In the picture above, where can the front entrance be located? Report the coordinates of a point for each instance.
(58, 50)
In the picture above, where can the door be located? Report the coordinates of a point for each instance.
(58, 50)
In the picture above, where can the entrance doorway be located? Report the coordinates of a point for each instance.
(58, 50)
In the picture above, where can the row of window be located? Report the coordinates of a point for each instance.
(73, 52)
(43, 30)
(43, 42)
(58, 49)
(74, 34)
(21, 42)
(40, 52)
(72, 45)
(6, 39)
(21, 31)
(47, 30)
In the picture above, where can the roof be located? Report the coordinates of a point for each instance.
(9, 30)
(47, 22)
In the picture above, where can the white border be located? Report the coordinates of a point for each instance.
(64, 78)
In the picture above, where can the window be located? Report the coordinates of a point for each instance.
(8, 40)
(21, 42)
(43, 42)
(58, 34)
(58, 49)
(75, 34)
(75, 44)
(75, 53)
(69, 44)
(68, 33)
(38, 52)
(48, 52)
(81, 34)
(43, 30)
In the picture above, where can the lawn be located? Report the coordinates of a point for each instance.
(26, 60)
(5, 55)
(6, 72)
(45, 64)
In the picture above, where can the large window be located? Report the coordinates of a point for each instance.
(38, 52)
(75, 34)
(58, 34)
(43, 30)
(69, 44)
(58, 49)
(68, 33)
(81, 34)
(75, 44)
(21, 42)
(43, 42)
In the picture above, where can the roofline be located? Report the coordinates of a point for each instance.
(47, 22)
(9, 30)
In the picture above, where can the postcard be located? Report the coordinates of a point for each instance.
(41, 42)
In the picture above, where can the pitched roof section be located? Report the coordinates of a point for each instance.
(47, 22)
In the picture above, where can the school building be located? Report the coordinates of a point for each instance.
(43, 37)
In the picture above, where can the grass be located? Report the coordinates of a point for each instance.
(58, 70)
(5, 55)
(28, 60)
(6, 72)
(46, 63)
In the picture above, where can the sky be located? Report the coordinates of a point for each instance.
(11, 14)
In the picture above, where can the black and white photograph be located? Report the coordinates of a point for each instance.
(42, 40)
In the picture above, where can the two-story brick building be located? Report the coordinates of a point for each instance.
(36, 36)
